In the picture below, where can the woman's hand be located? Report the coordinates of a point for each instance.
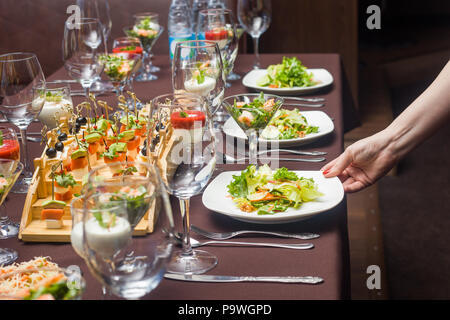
(363, 163)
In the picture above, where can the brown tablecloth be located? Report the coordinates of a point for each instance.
(329, 259)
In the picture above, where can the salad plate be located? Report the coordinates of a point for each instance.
(322, 76)
(318, 119)
(330, 193)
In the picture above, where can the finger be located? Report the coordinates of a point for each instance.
(329, 165)
(342, 162)
(351, 185)
(344, 176)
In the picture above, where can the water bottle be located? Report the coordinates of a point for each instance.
(197, 6)
(216, 4)
(179, 24)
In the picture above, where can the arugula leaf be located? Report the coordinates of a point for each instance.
(65, 180)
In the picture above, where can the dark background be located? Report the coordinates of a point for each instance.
(402, 59)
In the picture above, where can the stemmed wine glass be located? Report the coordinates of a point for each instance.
(121, 64)
(83, 45)
(197, 68)
(9, 172)
(218, 25)
(21, 77)
(232, 76)
(255, 17)
(148, 30)
(98, 9)
(130, 48)
(186, 163)
(252, 112)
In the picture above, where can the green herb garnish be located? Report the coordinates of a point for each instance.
(65, 180)
(183, 114)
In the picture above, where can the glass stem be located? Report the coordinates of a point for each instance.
(253, 147)
(27, 168)
(147, 62)
(3, 216)
(256, 65)
(184, 206)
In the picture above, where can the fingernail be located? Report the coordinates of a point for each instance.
(326, 171)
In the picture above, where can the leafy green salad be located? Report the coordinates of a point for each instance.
(269, 192)
(289, 73)
(288, 124)
(255, 114)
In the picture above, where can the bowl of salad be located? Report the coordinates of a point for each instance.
(290, 77)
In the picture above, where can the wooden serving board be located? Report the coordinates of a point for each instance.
(33, 229)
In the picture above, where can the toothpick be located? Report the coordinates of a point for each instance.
(93, 99)
(106, 107)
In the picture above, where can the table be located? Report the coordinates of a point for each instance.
(329, 259)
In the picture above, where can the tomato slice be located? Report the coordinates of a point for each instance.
(187, 119)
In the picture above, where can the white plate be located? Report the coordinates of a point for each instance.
(321, 75)
(216, 198)
(314, 118)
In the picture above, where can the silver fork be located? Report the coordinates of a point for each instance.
(229, 159)
(305, 99)
(305, 153)
(229, 235)
(298, 246)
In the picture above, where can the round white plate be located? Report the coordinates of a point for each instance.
(322, 75)
(314, 118)
(216, 198)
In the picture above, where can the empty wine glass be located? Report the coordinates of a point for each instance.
(83, 45)
(186, 163)
(9, 172)
(232, 76)
(98, 9)
(197, 68)
(21, 77)
(255, 17)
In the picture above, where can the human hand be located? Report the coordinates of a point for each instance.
(363, 163)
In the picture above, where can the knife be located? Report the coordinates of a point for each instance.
(214, 278)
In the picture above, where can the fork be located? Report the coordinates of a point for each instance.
(305, 153)
(229, 159)
(305, 99)
(229, 235)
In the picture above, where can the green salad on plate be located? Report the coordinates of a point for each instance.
(288, 124)
(289, 73)
(268, 192)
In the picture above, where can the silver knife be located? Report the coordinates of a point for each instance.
(214, 278)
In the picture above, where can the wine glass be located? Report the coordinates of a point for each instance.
(148, 30)
(98, 9)
(255, 16)
(129, 267)
(218, 25)
(197, 68)
(83, 45)
(9, 172)
(232, 76)
(130, 48)
(252, 112)
(57, 103)
(20, 77)
(9, 149)
(134, 181)
(186, 163)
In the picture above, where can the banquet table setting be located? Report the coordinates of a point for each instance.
(155, 256)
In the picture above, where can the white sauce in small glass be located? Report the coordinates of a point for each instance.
(202, 89)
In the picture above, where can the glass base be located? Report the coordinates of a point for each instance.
(101, 86)
(21, 186)
(147, 76)
(8, 229)
(7, 256)
(233, 76)
(198, 262)
(155, 69)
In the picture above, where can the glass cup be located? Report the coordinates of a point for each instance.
(58, 103)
